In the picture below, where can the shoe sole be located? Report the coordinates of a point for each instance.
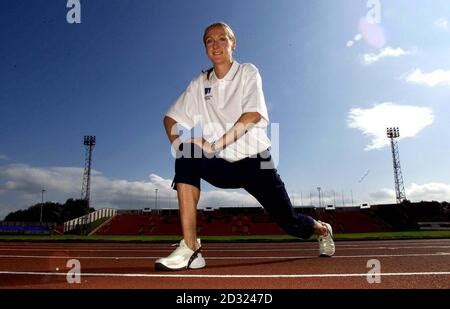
(190, 265)
(162, 267)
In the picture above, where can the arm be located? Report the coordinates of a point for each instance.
(253, 107)
(170, 125)
(242, 125)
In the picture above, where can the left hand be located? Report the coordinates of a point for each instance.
(202, 143)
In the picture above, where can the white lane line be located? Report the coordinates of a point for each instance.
(228, 250)
(222, 257)
(225, 276)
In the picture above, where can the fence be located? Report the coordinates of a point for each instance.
(86, 219)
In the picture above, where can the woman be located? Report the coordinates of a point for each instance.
(228, 102)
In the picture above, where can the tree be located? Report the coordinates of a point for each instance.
(51, 212)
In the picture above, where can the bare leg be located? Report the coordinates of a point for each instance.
(188, 197)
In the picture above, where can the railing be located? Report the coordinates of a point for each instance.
(434, 226)
(86, 219)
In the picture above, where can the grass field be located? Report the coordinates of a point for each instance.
(137, 238)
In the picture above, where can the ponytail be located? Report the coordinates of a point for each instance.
(208, 72)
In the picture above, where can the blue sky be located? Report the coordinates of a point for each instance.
(332, 81)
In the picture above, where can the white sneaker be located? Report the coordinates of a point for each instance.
(181, 258)
(326, 243)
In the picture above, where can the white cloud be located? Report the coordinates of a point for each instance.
(227, 198)
(3, 157)
(373, 122)
(442, 23)
(4, 211)
(23, 178)
(433, 191)
(382, 196)
(436, 78)
(385, 52)
(430, 191)
(21, 185)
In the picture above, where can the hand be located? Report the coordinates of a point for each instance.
(202, 143)
(176, 144)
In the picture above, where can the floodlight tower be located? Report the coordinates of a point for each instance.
(393, 133)
(156, 200)
(89, 143)
(320, 202)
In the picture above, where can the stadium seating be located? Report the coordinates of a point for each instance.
(255, 221)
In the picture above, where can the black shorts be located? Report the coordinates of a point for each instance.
(194, 165)
(257, 175)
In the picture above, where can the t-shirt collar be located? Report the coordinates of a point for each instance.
(231, 73)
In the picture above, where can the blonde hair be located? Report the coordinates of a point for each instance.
(225, 27)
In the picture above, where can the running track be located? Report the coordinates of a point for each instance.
(293, 265)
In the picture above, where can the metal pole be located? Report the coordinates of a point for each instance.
(42, 204)
(156, 199)
(320, 202)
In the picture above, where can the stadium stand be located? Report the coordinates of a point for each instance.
(25, 228)
(255, 221)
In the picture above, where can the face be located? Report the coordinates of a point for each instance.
(219, 47)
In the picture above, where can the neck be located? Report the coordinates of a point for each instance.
(222, 69)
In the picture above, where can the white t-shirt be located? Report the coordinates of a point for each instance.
(218, 103)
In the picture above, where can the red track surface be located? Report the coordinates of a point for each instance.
(295, 265)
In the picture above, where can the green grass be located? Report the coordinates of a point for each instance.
(261, 238)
